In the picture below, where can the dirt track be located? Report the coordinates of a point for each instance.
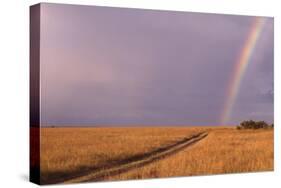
(136, 161)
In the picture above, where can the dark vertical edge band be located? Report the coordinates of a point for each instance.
(273, 88)
(34, 95)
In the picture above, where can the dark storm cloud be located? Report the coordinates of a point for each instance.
(125, 66)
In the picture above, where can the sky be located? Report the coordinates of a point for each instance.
(128, 67)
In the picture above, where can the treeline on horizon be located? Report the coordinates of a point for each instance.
(250, 124)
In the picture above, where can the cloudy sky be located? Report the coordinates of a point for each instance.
(113, 66)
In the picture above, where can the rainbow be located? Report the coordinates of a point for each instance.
(240, 67)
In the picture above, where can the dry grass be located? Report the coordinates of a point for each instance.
(66, 152)
(223, 151)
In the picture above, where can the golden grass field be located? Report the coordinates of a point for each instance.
(70, 152)
(223, 151)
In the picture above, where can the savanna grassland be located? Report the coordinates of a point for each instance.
(223, 151)
(69, 153)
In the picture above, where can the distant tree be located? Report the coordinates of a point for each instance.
(261, 125)
(247, 124)
(253, 125)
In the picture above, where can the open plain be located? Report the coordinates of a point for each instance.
(120, 153)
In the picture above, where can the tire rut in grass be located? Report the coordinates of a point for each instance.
(137, 161)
